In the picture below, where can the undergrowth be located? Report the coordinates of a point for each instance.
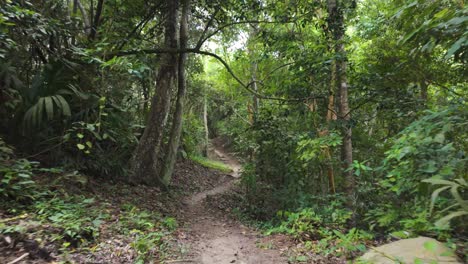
(37, 208)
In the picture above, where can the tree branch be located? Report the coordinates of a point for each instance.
(241, 23)
(142, 23)
(219, 59)
(202, 39)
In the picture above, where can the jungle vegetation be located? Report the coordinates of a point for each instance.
(350, 117)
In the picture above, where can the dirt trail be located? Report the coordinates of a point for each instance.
(211, 237)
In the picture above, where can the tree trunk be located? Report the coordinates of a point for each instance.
(205, 123)
(87, 24)
(424, 96)
(167, 166)
(337, 26)
(345, 115)
(331, 115)
(96, 20)
(255, 99)
(145, 163)
(254, 69)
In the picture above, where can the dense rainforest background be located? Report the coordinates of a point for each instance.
(349, 117)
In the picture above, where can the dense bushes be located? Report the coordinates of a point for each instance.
(431, 149)
(420, 183)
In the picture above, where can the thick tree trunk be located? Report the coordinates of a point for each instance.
(145, 164)
(167, 167)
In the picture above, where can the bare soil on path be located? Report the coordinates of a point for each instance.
(210, 236)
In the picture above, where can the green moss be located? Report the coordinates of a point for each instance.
(212, 164)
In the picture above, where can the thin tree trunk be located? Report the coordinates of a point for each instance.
(347, 147)
(337, 26)
(255, 99)
(96, 20)
(205, 123)
(87, 24)
(253, 72)
(145, 163)
(331, 115)
(424, 96)
(170, 157)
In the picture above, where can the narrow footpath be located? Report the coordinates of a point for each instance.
(210, 236)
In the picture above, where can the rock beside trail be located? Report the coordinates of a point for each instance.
(414, 250)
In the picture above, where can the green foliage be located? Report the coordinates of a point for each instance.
(148, 230)
(423, 150)
(193, 135)
(212, 164)
(307, 225)
(312, 148)
(16, 180)
(456, 188)
(430, 150)
(350, 242)
(75, 216)
(16, 183)
(446, 24)
(69, 98)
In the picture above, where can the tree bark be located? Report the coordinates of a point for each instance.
(87, 24)
(254, 69)
(170, 157)
(96, 20)
(337, 26)
(145, 163)
(424, 96)
(205, 123)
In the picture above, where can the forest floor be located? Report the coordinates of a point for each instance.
(211, 236)
(211, 233)
(101, 221)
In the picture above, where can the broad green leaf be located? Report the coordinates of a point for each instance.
(457, 20)
(441, 13)
(446, 219)
(438, 181)
(80, 146)
(435, 194)
(39, 110)
(455, 47)
(49, 106)
(65, 107)
(457, 196)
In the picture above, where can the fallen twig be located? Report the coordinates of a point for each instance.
(179, 260)
(14, 218)
(19, 259)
